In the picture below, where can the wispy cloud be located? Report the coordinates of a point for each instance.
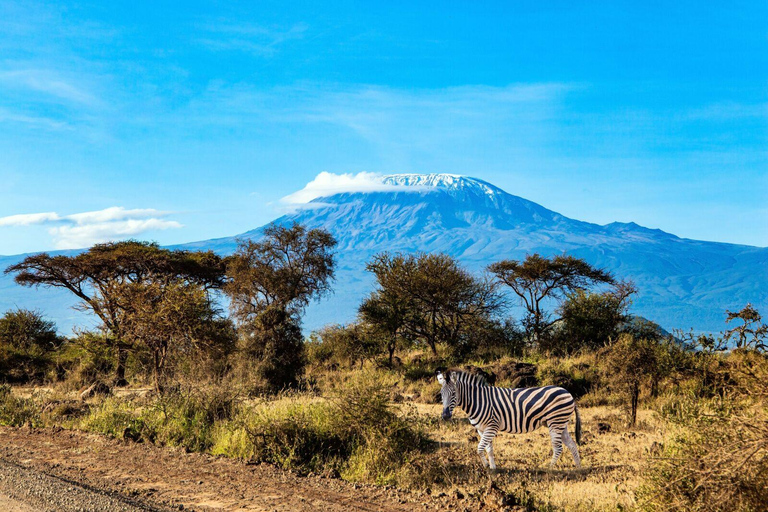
(87, 228)
(27, 219)
(248, 37)
(48, 83)
(32, 121)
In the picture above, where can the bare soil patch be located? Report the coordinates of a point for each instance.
(164, 478)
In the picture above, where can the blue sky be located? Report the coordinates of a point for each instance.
(186, 121)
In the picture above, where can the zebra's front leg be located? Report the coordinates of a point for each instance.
(489, 451)
(486, 445)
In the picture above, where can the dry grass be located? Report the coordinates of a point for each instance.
(611, 462)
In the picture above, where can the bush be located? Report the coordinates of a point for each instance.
(27, 341)
(631, 362)
(578, 377)
(85, 359)
(718, 458)
(355, 434)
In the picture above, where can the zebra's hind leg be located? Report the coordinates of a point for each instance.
(556, 435)
(571, 444)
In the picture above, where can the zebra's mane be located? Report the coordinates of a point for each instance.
(473, 379)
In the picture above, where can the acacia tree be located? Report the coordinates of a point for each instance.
(386, 312)
(100, 275)
(170, 318)
(537, 279)
(270, 283)
(428, 298)
(752, 333)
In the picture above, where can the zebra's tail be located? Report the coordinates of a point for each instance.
(578, 424)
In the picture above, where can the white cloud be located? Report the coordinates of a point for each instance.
(327, 184)
(27, 219)
(115, 213)
(85, 235)
(84, 229)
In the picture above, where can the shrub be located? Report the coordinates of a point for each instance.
(631, 362)
(355, 434)
(718, 458)
(578, 377)
(271, 351)
(84, 359)
(116, 418)
(27, 341)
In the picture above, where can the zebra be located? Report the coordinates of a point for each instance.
(492, 410)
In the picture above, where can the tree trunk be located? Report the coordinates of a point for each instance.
(121, 355)
(635, 394)
(158, 371)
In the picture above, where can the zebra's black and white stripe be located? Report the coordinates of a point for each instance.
(492, 410)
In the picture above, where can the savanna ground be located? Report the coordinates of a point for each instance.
(239, 469)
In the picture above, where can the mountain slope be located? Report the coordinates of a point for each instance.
(682, 283)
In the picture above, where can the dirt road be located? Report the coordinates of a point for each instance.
(53, 469)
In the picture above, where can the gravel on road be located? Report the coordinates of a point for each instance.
(26, 490)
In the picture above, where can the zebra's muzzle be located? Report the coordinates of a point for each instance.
(446, 414)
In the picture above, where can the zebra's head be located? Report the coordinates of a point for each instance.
(448, 394)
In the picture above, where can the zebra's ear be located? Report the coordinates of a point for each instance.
(440, 378)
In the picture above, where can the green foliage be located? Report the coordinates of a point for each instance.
(106, 277)
(24, 329)
(286, 270)
(271, 351)
(173, 319)
(344, 345)
(185, 418)
(355, 434)
(270, 283)
(589, 320)
(84, 359)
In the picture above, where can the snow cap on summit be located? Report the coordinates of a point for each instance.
(327, 184)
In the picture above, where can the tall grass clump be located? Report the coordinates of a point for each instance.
(17, 412)
(182, 417)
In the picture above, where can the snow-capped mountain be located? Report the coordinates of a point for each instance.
(682, 283)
